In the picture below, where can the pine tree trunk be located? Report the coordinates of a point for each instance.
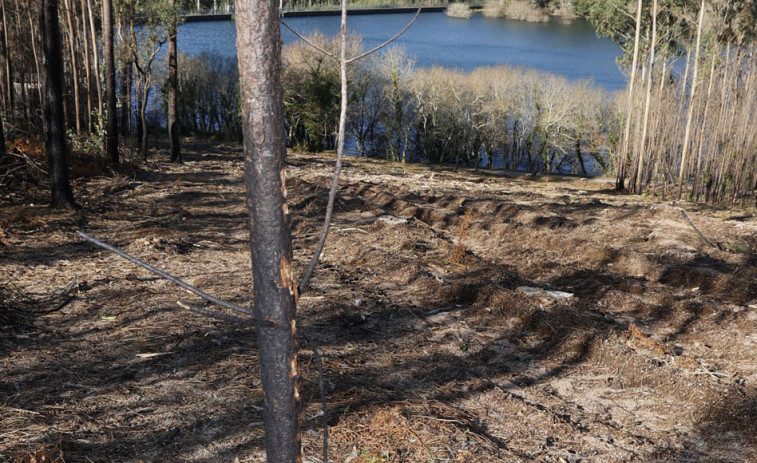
(55, 131)
(111, 127)
(259, 51)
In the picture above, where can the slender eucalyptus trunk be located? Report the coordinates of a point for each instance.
(623, 159)
(275, 292)
(173, 84)
(55, 130)
(690, 114)
(703, 131)
(9, 94)
(74, 66)
(2, 146)
(111, 120)
(36, 60)
(650, 74)
(96, 59)
(87, 65)
(125, 97)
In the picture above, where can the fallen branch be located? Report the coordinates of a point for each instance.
(701, 235)
(188, 287)
(227, 318)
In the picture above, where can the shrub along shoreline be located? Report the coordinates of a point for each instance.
(502, 117)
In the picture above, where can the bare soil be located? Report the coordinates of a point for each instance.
(434, 347)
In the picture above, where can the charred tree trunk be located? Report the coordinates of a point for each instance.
(55, 130)
(173, 84)
(275, 292)
(111, 127)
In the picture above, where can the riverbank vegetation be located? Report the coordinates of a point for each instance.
(520, 10)
(512, 118)
(458, 10)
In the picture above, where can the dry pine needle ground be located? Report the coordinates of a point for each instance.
(431, 351)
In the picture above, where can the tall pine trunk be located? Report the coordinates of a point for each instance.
(259, 52)
(55, 130)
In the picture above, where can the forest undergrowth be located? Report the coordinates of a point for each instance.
(461, 316)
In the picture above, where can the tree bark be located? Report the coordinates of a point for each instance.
(125, 116)
(74, 67)
(87, 65)
(620, 178)
(96, 61)
(173, 84)
(690, 114)
(638, 176)
(55, 131)
(111, 127)
(275, 292)
(36, 60)
(8, 67)
(2, 146)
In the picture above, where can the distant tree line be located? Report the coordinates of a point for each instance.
(516, 118)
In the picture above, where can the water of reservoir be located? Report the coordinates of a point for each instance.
(572, 50)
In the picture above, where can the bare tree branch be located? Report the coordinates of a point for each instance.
(395, 37)
(343, 62)
(227, 318)
(165, 275)
(701, 235)
(308, 41)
